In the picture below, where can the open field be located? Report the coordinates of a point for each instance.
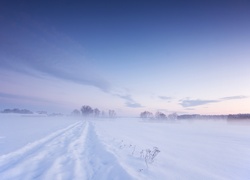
(75, 148)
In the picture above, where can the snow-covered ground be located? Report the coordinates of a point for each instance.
(18, 130)
(73, 148)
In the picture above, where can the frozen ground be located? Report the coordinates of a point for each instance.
(71, 148)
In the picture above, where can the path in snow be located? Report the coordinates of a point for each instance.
(71, 153)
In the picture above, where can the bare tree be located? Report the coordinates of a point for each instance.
(86, 110)
(103, 114)
(76, 112)
(146, 114)
(160, 115)
(96, 112)
(112, 114)
(172, 116)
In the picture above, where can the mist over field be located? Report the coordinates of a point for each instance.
(69, 147)
(107, 90)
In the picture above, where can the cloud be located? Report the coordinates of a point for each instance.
(198, 102)
(165, 97)
(77, 78)
(190, 102)
(233, 97)
(126, 97)
(14, 96)
(133, 105)
(130, 102)
(33, 49)
(189, 109)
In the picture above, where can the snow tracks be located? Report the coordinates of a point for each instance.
(73, 153)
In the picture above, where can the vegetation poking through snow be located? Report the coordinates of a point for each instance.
(147, 155)
(150, 155)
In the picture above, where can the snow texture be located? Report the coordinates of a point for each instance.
(117, 149)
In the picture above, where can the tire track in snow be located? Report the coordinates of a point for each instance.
(100, 163)
(69, 165)
(46, 157)
(11, 159)
(71, 153)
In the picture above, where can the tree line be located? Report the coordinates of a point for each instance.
(174, 116)
(17, 111)
(157, 115)
(88, 111)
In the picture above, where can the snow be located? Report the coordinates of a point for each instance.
(18, 130)
(189, 150)
(75, 148)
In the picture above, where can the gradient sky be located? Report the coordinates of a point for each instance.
(130, 56)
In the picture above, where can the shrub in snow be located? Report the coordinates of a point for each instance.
(147, 155)
(150, 155)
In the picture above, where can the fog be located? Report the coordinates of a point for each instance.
(88, 148)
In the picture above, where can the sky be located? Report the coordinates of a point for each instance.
(171, 56)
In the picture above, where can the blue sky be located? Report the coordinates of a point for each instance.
(131, 56)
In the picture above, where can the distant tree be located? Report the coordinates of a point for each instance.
(103, 114)
(18, 111)
(76, 112)
(112, 114)
(96, 112)
(86, 110)
(189, 116)
(25, 111)
(160, 115)
(238, 116)
(146, 114)
(56, 114)
(42, 112)
(7, 111)
(172, 116)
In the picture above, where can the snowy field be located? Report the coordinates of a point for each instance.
(73, 148)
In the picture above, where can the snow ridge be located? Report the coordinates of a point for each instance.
(74, 152)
